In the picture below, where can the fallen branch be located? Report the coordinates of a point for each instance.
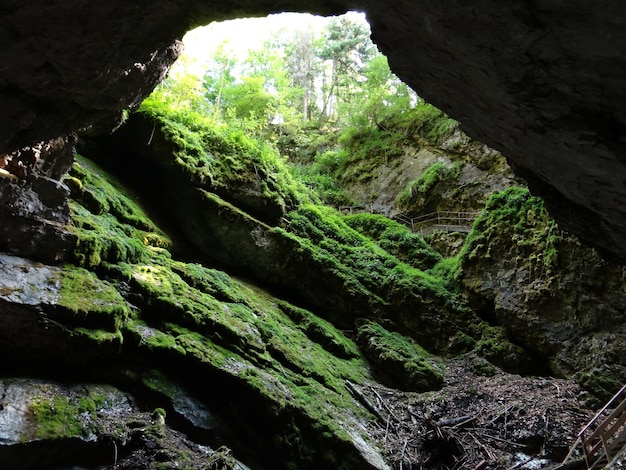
(386, 406)
(511, 443)
(364, 400)
(454, 422)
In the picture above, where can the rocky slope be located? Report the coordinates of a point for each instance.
(143, 354)
(555, 297)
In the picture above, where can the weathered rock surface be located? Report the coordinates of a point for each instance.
(541, 82)
(552, 295)
(475, 172)
(33, 215)
(48, 424)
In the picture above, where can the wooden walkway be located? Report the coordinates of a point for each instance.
(448, 221)
(603, 439)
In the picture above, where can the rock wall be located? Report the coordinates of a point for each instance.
(553, 296)
(541, 81)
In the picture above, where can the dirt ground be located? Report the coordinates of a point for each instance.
(475, 422)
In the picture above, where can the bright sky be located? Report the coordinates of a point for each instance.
(241, 35)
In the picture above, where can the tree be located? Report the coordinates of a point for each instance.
(347, 48)
(382, 95)
(218, 76)
(304, 66)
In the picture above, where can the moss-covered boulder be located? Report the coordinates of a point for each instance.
(398, 360)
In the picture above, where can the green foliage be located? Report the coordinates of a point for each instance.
(447, 269)
(323, 185)
(359, 151)
(400, 361)
(432, 123)
(417, 190)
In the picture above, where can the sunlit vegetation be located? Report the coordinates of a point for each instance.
(325, 98)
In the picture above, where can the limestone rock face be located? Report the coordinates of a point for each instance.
(543, 82)
(554, 296)
(32, 218)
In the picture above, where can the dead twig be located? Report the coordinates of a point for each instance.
(499, 439)
(406, 443)
(364, 400)
(483, 447)
(387, 407)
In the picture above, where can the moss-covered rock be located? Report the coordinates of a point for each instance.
(215, 158)
(550, 294)
(397, 239)
(398, 360)
(109, 225)
(278, 356)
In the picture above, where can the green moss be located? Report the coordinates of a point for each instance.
(215, 157)
(448, 270)
(110, 227)
(100, 337)
(362, 264)
(89, 301)
(395, 238)
(601, 382)
(482, 367)
(417, 190)
(500, 351)
(61, 417)
(514, 219)
(321, 332)
(400, 360)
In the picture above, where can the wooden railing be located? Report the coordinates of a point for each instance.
(449, 221)
(604, 437)
(443, 220)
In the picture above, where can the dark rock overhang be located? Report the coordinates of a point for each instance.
(541, 81)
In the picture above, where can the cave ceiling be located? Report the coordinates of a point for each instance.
(540, 80)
